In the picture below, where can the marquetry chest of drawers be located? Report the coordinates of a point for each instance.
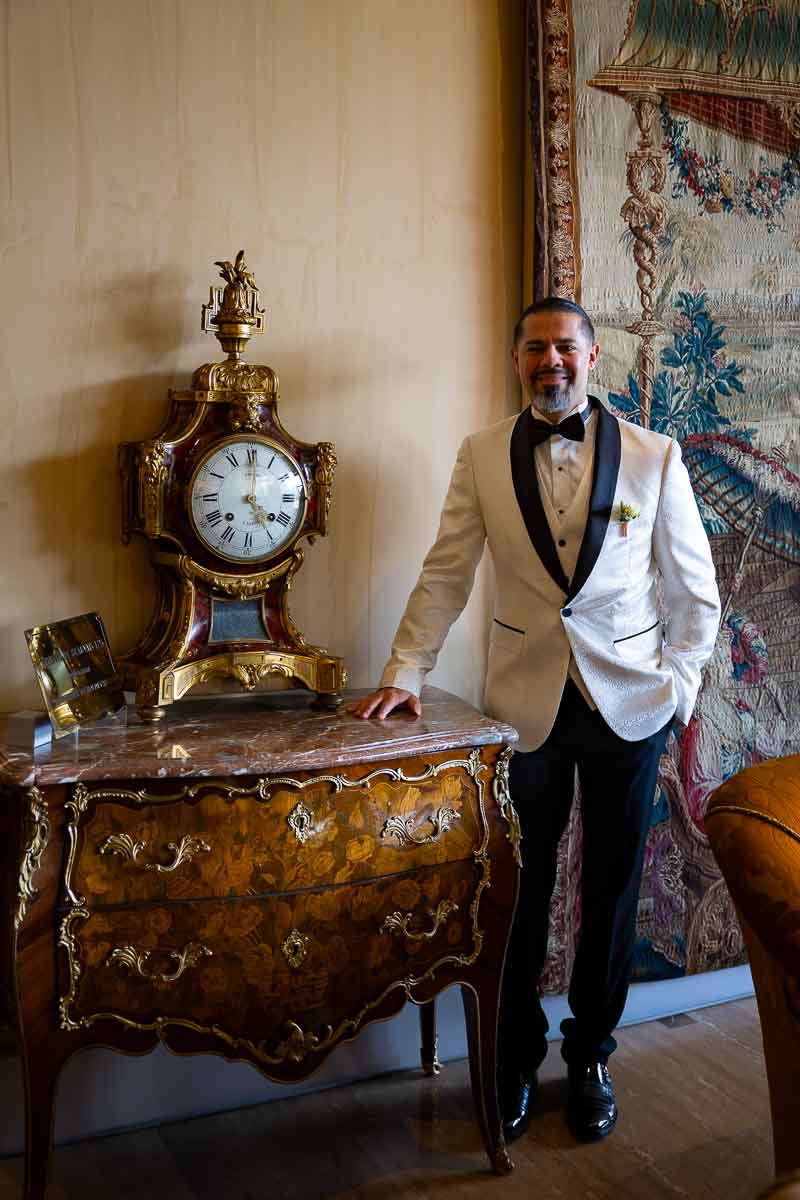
(261, 883)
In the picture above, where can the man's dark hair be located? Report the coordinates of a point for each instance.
(556, 304)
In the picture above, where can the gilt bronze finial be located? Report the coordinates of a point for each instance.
(233, 312)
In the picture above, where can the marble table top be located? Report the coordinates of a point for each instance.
(252, 735)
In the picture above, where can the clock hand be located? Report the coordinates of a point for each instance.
(259, 514)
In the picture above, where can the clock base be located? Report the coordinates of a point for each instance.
(325, 701)
(151, 714)
(158, 685)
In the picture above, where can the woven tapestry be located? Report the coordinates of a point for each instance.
(665, 182)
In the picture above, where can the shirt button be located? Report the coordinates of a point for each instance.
(566, 612)
(561, 542)
(561, 468)
(561, 512)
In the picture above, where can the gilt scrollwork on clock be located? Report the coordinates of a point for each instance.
(242, 377)
(295, 948)
(138, 962)
(128, 850)
(152, 476)
(147, 691)
(249, 676)
(323, 477)
(405, 828)
(235, 586)
(293, 632)
(399, 923)
(37, 836)
(246, 413)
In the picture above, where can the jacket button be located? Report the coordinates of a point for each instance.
(566, 612)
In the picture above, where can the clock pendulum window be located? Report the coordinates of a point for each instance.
(225, 495)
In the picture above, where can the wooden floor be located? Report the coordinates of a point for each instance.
(694, 1123)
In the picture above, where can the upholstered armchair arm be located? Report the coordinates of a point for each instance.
(753, 824)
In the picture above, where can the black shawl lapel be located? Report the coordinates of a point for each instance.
(604, 484)
(526, 487)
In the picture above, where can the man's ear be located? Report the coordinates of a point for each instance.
(594, 354)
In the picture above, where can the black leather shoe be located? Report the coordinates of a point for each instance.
(517, 1097)
(591, 1109)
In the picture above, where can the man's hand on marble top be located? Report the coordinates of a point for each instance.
(385, 700)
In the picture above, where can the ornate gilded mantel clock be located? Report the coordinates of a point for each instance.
(225, 495)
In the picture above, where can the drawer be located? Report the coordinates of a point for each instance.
(220, 839)
(318, 958)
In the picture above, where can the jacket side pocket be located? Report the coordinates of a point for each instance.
(507, 638)
(641, 647)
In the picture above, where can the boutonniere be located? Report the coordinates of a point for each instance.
(625, 514)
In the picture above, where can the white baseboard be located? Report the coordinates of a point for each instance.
(664, 998)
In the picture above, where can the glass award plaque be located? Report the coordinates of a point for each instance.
(75, 672)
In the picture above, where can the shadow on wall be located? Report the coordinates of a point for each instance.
(155, 312)
(68, 548)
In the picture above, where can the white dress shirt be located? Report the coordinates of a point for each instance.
(560, 462)
(561, 465)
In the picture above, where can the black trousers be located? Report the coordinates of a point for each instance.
(617, 782)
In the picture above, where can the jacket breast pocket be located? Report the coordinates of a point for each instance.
(642, 647)
(506, 638)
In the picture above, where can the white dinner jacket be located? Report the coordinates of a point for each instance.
(637, 670)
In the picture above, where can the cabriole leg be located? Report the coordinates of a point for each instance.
(429, 1048)
(41, 1080)
(480, 1014)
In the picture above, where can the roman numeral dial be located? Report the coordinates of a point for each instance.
(247, 499)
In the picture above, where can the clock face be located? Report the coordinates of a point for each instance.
(247, 499)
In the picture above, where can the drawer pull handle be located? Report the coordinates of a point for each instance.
(398, 923)
(405, 828)
(129, 851)
(138, 962)
(295, 948)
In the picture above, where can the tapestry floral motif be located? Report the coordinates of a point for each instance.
(763, 194)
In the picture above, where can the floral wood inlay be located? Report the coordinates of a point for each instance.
(312, 1014)
(254, 832)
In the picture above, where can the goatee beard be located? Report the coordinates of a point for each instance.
(549, 398)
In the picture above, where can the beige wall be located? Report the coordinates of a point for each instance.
(367, 154)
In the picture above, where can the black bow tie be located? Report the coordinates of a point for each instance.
(571, 427)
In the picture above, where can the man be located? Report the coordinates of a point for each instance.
(580, 511)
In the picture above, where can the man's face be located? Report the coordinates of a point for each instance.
(553, 357)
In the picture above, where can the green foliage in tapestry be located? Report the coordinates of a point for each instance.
(698, 371)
